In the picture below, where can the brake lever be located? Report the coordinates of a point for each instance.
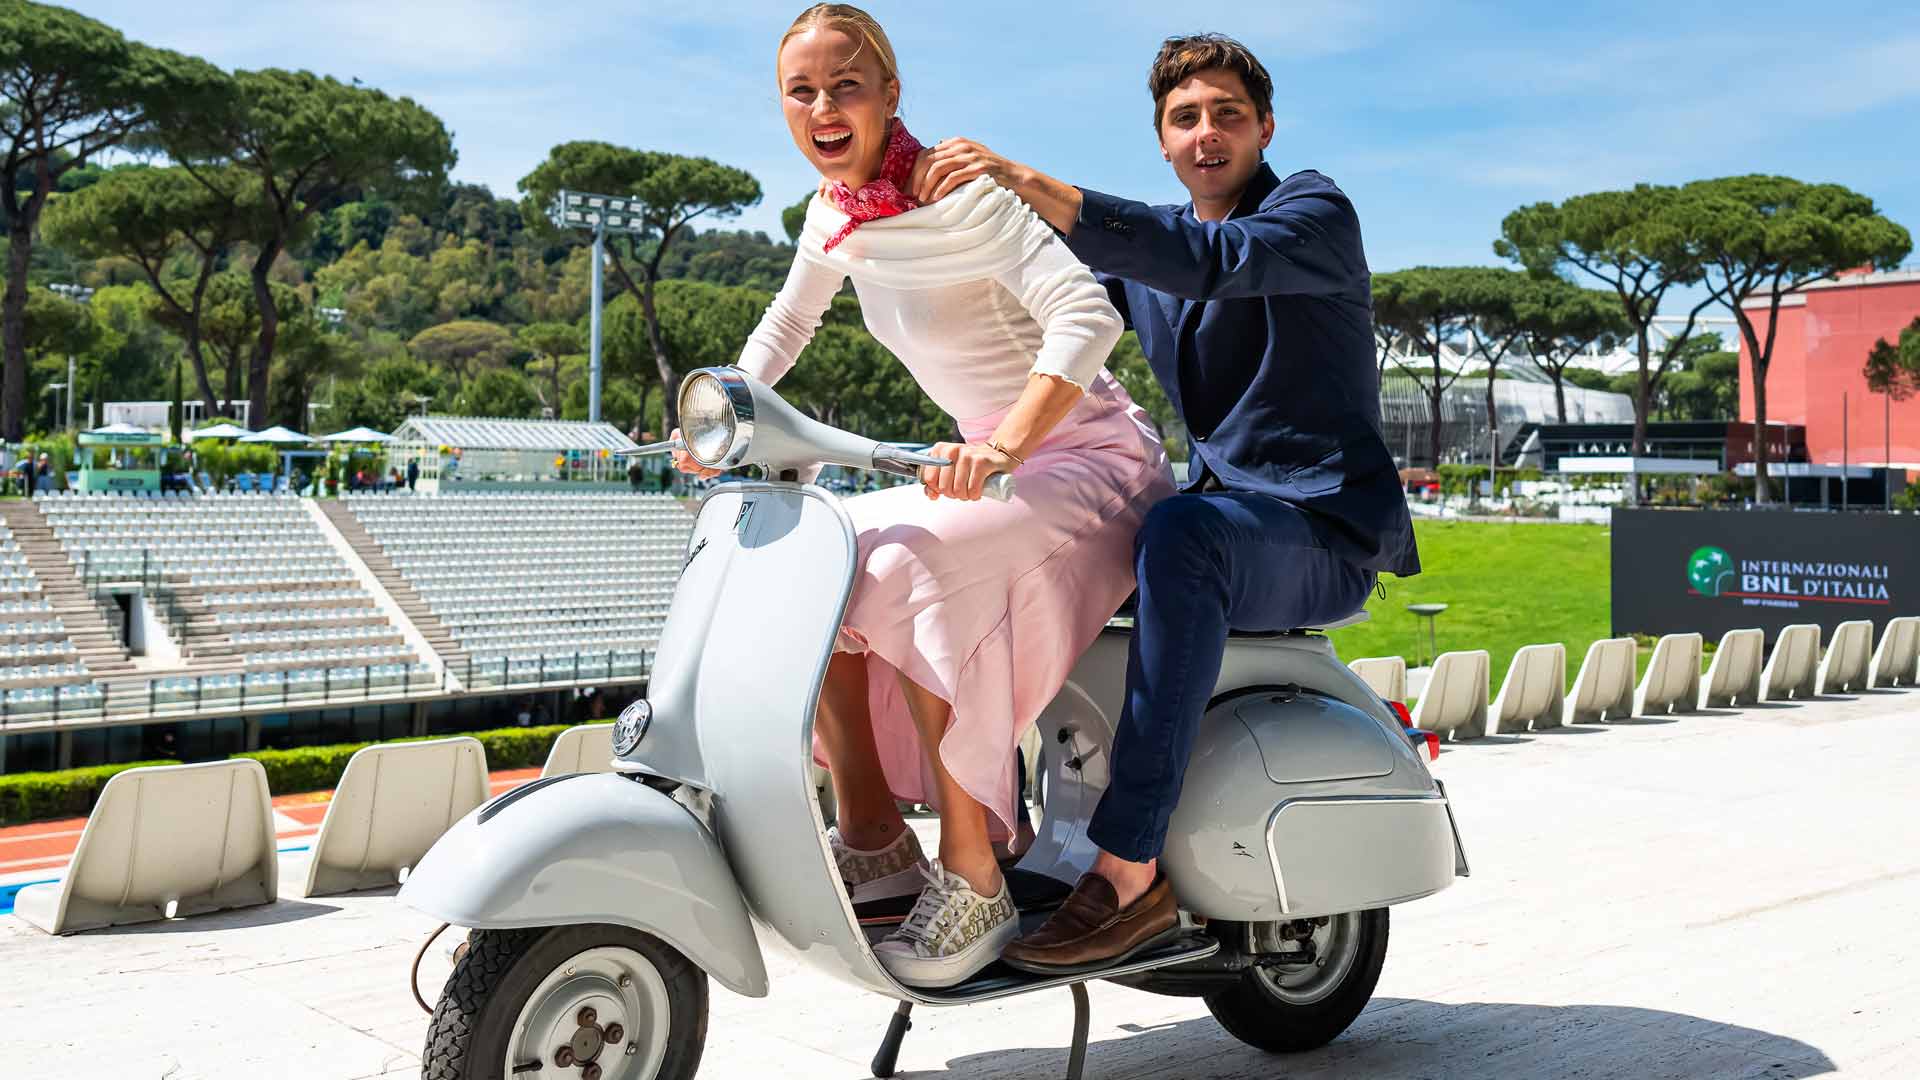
(666, 447)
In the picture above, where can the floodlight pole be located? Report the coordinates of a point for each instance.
(601, 213)
(593, 364)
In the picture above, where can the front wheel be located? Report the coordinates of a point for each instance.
(595, 1002)
(1288, 1007)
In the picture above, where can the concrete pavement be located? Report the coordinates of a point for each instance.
(1727, 894)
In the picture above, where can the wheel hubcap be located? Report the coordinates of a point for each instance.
(1335, 944)
(602, 1014)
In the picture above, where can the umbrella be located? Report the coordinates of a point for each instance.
(278, 435)
(357, 435)
(222, 430)
(121, 428)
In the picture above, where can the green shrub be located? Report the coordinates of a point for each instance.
(316, 768)
(37, 796)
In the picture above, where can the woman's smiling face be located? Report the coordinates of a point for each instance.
(837, 100)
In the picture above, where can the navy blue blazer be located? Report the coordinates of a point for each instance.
(1260, 327)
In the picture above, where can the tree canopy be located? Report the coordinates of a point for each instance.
(70, 87)
(1893, 367)
(673, 190)
(1759, 239)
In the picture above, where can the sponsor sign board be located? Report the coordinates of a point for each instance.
(1712, 571)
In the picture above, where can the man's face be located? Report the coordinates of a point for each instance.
(1212, 135)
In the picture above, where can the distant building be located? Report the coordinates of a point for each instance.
(1821, 345)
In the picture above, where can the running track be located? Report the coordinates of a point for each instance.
(47, 845)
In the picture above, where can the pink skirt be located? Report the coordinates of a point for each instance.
(988, 604)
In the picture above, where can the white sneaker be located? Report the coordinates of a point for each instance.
(952, 932)
(894, 870)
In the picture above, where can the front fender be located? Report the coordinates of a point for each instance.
(593, 848)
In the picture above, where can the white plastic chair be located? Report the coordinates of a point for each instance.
(1848, 655)
(165, 841)
(1733, 678)
(1454, 702)
(1604, 688)
(1793, 669)
(1534, 693)
(1672, 682)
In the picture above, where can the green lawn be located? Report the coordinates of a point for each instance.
(1505, 585)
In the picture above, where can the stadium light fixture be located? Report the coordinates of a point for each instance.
(79, 294)
(600, 215)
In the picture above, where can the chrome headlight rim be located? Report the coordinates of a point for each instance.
(632, 727)
(732, 383)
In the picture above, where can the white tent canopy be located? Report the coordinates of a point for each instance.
(357, 435)
(223, 430)
(119, 429)
(280, 436)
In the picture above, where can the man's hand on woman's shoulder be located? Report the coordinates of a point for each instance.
(957, 161)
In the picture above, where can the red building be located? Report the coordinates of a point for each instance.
(1824, 335)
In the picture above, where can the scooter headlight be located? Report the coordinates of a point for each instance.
(631, 727)
(716, 417)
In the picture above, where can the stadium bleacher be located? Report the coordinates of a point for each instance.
(522, 579)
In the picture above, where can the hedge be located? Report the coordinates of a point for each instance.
(36, 796)
(316, 768)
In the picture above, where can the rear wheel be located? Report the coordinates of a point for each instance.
(1286, 1007)
(595, 1002)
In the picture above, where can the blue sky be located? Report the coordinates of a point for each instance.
(1436, 117)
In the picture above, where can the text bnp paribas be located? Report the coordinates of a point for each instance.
(1815, 580)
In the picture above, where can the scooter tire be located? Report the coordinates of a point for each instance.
(472, 1024)
(1252, 1012)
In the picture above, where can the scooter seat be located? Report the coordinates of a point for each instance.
(1122, 623)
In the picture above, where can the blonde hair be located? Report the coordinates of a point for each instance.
(851, 21)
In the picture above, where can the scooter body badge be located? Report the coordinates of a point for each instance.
(632, 726)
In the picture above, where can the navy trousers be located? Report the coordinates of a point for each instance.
(1206, 562)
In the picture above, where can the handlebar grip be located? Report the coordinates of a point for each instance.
(999, 487)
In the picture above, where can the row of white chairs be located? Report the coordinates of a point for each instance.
(318, 633)
(600, 637)
(73, 669)
(245, 599)
(358, 655)
(321, 615)
(73, 698)
(155, 498)
(216, 579)
(27, 650)
(551, 616)
(33, 627)
(25, 607)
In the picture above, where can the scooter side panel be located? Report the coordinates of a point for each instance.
(593, 848)
(788, 552)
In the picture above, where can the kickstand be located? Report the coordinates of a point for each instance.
(1077, 1053)
(888, 1055)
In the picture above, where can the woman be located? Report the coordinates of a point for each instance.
(966, 616)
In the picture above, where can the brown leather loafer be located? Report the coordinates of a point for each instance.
(1091, 930)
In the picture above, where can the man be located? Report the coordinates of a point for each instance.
(1253, 306)
(413, 473)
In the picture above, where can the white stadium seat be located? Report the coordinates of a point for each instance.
(1672, 682)
(1534, 693)
(1386, 675)
(1848, 655)
(1455, 699)
(1604, 688)
(1794, 666)
(1897, 661)
(583, 748)
(165, 841)
(393, 802)
(1733, 678)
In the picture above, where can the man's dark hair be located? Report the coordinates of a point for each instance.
(1183, 57)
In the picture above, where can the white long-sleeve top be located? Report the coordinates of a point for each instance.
(973, 293)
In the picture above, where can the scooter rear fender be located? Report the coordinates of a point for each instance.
(593, 848)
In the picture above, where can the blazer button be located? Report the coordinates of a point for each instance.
(1200, 438)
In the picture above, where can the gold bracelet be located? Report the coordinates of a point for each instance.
(994, 445)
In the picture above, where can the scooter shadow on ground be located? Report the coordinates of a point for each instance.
(1396, 1038)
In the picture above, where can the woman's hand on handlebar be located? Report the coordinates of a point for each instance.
(685, 463)
(972, 464)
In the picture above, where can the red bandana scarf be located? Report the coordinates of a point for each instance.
(883, 197)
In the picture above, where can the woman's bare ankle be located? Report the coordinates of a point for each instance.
(982, 873)
(870, 835)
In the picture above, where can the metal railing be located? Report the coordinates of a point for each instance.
(180, 696)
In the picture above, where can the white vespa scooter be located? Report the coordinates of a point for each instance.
(600, 904)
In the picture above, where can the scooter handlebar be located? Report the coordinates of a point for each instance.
(999, 487)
